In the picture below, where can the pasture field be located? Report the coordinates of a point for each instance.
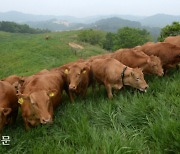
(132, 122)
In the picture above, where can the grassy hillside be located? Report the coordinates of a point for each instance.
(133, 122)
(25, 54)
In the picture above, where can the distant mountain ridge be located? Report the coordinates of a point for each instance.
(56, 25)
(159, 20)
(114, 23)
(23, 17)
(109, 23)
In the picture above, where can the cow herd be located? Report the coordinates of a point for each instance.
(38, 95)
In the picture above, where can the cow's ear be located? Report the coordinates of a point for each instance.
(22, 98)
(6, 111)
(52, 93)
(84, 70)
(66, 71)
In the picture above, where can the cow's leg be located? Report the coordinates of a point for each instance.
(109, 90)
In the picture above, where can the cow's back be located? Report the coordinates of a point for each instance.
(106, 68)
(165, 51)
(130, 57)
(173, 40)
(102, 56)
(47, 82)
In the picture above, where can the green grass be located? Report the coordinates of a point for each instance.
(133, 122)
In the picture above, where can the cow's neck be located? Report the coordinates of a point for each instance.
(123, 74)
(145, 68)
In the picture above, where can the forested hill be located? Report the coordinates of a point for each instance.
(19, 28)
(113, 24)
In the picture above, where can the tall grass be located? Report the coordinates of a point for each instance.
(133, 122)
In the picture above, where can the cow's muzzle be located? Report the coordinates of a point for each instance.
(144, 89)
(72, 87)
(46, 120)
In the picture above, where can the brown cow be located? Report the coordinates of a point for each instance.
(47, 37)
(63, 67)
(168, 53)
(15, 81)
(77, 78)
(115, 75)
(8, 104)
(173, 40)
(132, 58)
(41, 94)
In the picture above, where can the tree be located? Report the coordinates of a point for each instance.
(170, 30)
(92, 36)
(109, 41)
(130, 37)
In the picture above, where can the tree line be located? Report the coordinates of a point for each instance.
(125, 37)
(18, 28)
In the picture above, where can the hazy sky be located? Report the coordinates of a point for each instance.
(82, 8)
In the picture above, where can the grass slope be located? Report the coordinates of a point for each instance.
(132, 122)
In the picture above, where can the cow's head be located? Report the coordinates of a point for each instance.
(154, 66)
(37, 106)
(135, 78)
(15, 81)
(4, 112)
(75, 75)
(18, 84)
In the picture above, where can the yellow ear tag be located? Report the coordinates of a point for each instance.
(66, 71)
(51, 94)
(84, 71)
(20, 101)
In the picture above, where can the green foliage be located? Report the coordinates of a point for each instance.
(126, 38)
(109, 41)
(17, 28)
(115, 23)
(132, 122)
(170, 30)
(94, 37)
(130, 37)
